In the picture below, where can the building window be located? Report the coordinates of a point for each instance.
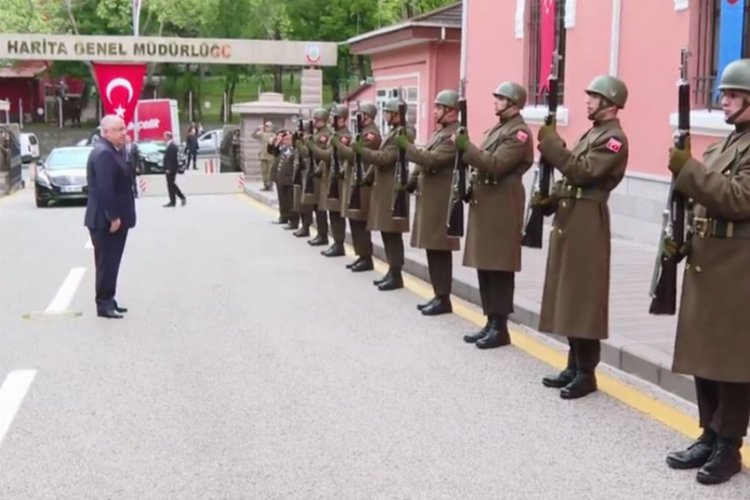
(536, 86)
(411, 96)
(707, 64)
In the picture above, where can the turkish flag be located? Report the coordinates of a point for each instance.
(120, 88)
(547, 41)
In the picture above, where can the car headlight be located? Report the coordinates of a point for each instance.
(43, 178)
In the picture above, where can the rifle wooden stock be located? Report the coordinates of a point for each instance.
(333, 189)
(297, 181)
(309, 177)
(664, 293)
(355, 198)
(533, 232)
(400, 196)
(455, 225)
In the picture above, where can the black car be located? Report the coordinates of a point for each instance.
(152, 157)
(62, 175)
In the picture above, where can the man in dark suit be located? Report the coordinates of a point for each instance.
(171, 166)
(110, 211)
(132, 159)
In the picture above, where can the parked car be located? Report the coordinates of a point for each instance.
(152, 157)
(29, 147)
(209, 142)
(62, 175)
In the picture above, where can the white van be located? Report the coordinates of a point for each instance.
(29, 147)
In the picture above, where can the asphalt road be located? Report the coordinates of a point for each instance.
(249, 366)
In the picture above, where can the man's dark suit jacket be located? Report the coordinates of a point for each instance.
(110, 188)
(171, 163)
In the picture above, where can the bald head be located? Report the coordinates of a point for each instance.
(113, 129)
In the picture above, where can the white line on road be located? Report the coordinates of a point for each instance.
(64, 295)
(12, 392)
(88, 243)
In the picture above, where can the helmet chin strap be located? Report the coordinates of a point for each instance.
(745, 104)
(503, 113)
(603, 105)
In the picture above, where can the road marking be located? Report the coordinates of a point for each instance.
(669, 416)
(88, 244)
(12, 392)
(65, 293)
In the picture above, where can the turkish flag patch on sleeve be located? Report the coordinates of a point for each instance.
(323, 139)
(522, 136)
(345, 140)
(614, 145)
(369, 136)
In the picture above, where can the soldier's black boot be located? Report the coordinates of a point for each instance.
(560, 380)
(364, 264)
(302, 232)
(384, 278)
(426, 304)
(497, 335)
(583, 385)
(394, 281)
(353, 263)
(280, 220)
(724, 462)
(335, 250)
(318, 240)
(696, 455)
(473, 337)
(440, 306)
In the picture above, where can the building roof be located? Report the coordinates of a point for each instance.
(23, 69)
(440, 24)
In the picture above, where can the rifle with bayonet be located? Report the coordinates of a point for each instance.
(333, 188)
(400, 209)
(459, 194)
(355, 200)
(310, 174)
(663, 290)
(532, 234)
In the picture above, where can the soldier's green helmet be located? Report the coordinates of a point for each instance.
(391, 105)
(320, 114)
(340, 111)
(736, 76)
(609, 87)
(447, 98)
(368, 109)
(513, 92)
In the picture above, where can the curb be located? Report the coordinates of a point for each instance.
(639, 360)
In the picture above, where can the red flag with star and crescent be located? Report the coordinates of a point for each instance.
(120, 88)
(547, 41)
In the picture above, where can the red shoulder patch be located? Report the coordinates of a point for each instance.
(614, 145)
(369, 136)
(522, 136)
(323, 138)
(345, 140)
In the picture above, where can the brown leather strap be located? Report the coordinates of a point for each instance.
(719, 228)
(580, 193)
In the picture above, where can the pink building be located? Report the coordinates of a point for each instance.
(638, 41)
(420, 55)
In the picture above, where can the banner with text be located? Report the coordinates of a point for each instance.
(162, 49)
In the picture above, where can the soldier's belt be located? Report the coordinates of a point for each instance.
(579, 193)
(718, 228)
(490, 180)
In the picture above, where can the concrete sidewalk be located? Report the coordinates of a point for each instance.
(639, 343)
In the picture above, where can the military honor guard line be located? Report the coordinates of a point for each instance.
(325, 171)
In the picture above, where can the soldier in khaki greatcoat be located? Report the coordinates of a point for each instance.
(264, 134)
(371, 138)
(310, 201)
(432, 180)
(575, 301)
(383, 170)
(712, 342)
(328, 197)
(496, 209)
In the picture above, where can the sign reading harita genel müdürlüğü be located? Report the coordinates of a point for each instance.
(162, 49)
